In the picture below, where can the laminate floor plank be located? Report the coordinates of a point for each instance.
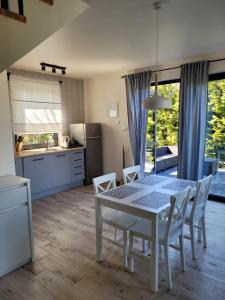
(65, 266)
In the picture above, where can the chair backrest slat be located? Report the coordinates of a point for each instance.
(104, 183)
(130, 174)
(177, 212)
(201, 197)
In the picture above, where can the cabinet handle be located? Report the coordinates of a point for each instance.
(77, 159)
(78, 167)
(37, 159)
(78, 174)
(60, 155)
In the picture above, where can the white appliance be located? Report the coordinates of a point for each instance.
(65, 141)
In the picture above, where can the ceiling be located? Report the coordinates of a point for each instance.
(119, 35)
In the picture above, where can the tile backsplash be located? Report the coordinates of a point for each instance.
(72, 102)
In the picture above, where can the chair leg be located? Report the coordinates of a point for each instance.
(199, 230)
(204, 232)
(168, 269)
(116, 235)
(131, 256)
(161, 251)
(192, 241)
(144, 243)
(125, 248)
(182, 256)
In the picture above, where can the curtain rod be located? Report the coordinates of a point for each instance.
(173, 68)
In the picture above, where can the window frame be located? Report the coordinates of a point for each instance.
(212, 77)
(40, 145)
(50, 99)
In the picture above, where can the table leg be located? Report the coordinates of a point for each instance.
(98, 224)
(155, 255)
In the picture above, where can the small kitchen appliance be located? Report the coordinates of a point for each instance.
(65, 141)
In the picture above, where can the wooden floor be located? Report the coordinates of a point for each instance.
(65, 266)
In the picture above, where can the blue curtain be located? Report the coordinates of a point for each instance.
(192, 119)
(137, 89)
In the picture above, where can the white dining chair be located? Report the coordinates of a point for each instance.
(120, 220)
(195, 216)
(170, 229)
(132, 173)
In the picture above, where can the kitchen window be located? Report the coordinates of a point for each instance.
(36, 105)
(38, 140)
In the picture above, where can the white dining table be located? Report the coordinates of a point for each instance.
(146, 198)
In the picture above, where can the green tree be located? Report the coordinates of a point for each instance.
(167, 120)
(215, 137)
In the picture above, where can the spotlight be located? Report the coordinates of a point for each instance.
(53, 68)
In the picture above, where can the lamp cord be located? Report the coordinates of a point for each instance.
(157, 6)
(157, 35)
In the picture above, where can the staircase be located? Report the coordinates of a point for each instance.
(24, 24)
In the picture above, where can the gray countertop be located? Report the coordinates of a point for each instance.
(34, 152)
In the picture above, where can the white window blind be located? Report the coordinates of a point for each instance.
(36, 105)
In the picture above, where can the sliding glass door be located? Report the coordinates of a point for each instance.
(215, 139)
(167, 133)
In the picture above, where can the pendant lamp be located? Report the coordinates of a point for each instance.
(157, 101)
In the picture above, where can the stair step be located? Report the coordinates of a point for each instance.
(12, 15)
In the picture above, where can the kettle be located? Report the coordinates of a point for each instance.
(65, 141)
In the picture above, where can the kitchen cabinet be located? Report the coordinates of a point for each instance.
(39, 170)
(77, 165)
(54, 172)
(19, 166)
(16, 237)
(61, 173)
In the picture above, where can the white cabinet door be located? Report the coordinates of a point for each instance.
(15, 242)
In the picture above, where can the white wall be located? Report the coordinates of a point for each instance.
(17, 39)
(108, 88)
(7, 166)
(98, 93)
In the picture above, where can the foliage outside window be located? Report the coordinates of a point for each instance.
(35, 140)
(167, 120)
(215, 137)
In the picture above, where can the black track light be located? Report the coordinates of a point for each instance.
(54, 68)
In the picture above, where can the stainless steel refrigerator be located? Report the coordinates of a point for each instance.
(89, 135)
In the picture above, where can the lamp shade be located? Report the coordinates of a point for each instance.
(157, 102)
